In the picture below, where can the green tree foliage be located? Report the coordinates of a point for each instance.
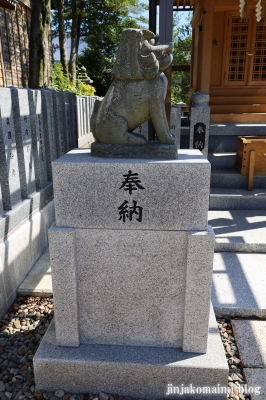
(99, 25)
(182, 38)
(60, 81)
(101, 32)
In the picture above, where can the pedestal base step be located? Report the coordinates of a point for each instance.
(151, 150)
(141, 372)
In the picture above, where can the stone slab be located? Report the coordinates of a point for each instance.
(61, 123)
(49, 129)
(256, 378)
(9, 168)
(239, 230)
(140, 372)
(175, 124)
(151, 150)
(56, 124)
(23, 136)
(39, 280)
(73, 118)
(239, 281)
(89, 192)
(37, 129)
(250, 336)
(67, 126)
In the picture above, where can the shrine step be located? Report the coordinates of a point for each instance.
(222, 160)
(238, 108)
(230, 178)
(239, 117)
(240, 99)
(237, 199)
(228, 92)
(237, 129)
(223, 135)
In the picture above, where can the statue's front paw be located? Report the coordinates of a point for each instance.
(135, 138)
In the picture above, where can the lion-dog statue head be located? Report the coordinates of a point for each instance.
(137, 92)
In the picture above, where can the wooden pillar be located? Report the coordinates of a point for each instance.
(205, 47)
(2, 68)
(152, 28)
(166, 34)
(195, 49)
(152, 16)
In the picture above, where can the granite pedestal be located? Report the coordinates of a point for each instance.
(131, 257)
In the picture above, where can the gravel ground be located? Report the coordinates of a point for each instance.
(236, 378)
(21, 330)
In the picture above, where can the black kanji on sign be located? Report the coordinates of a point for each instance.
(127, 212)
(199, 136)
(131, 182)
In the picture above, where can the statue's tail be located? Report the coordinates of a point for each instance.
(94, 116)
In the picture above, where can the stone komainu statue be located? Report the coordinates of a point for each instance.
(137, 92)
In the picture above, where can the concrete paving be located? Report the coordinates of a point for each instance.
(239, 230)
(239, 282)
(250, 336)
(39, 280)
(256, 379)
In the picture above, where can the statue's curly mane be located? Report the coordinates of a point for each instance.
(131, 62)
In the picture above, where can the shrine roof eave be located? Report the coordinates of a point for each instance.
(180, 3)
(9, 4)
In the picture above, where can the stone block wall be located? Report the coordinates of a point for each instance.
(36, 127)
